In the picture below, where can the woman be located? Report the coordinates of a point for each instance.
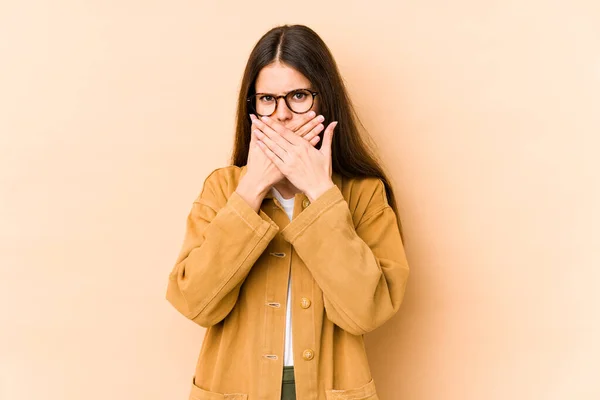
(294, 252)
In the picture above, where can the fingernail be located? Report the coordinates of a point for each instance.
(321, 118)
(252, 117)
(265, 118)
(312, 114)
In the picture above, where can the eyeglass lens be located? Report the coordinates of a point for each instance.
(299, 101)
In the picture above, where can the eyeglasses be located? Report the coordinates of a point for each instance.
(300, 101)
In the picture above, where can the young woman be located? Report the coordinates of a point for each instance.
(294, 252)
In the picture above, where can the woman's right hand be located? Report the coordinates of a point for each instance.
(261, 173)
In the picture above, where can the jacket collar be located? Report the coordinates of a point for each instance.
(335, 177)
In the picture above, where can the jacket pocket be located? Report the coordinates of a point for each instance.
(198, 393)
(365, 392)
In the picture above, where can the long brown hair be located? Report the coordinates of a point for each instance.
(299, 47)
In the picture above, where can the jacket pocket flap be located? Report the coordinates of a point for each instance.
(365, 392)
(198, 393)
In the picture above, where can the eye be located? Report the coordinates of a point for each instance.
(299, 96)
(265, 98)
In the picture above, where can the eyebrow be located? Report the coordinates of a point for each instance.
(282, 94)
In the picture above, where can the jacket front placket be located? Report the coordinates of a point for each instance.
(278, 258)
(283, 262)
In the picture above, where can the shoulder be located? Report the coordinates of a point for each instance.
(365, 196)
(220, 184)
(366, 190)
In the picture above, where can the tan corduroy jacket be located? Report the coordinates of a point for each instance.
(349, 273)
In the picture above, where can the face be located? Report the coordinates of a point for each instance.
(279, 79)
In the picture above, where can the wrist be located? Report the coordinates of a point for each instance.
(251, 192)
(315, 193)
(252, 187)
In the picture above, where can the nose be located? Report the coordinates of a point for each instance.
(283, 113)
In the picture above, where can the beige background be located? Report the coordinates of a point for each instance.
(486, 114)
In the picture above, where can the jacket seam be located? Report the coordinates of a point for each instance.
(341, 310)
(372, 214)
(245, 220)
(204, 203)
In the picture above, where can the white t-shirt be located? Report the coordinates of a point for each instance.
(288, 353)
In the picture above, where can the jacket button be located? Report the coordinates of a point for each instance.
(304, 303)
(308, 354)
(306, 203)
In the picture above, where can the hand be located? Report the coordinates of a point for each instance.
(262, 173)
(308, 126)
(304, 166)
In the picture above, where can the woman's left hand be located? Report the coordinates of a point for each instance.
(307, 168)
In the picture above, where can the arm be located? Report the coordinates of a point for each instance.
(362, 271)
(221, 245)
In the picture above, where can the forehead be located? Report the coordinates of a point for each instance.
(279, 78)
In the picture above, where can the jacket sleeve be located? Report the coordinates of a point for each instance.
(221, 244)
(362, 271)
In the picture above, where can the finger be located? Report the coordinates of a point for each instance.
(252, 137)
(253, 124)
(304, 118)
(252, 128)
(310, 125)
(315, 140)
(314, 132)
(274, 147)
(328, 138)
(274, 135)
(283, 132)
(272, 156)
